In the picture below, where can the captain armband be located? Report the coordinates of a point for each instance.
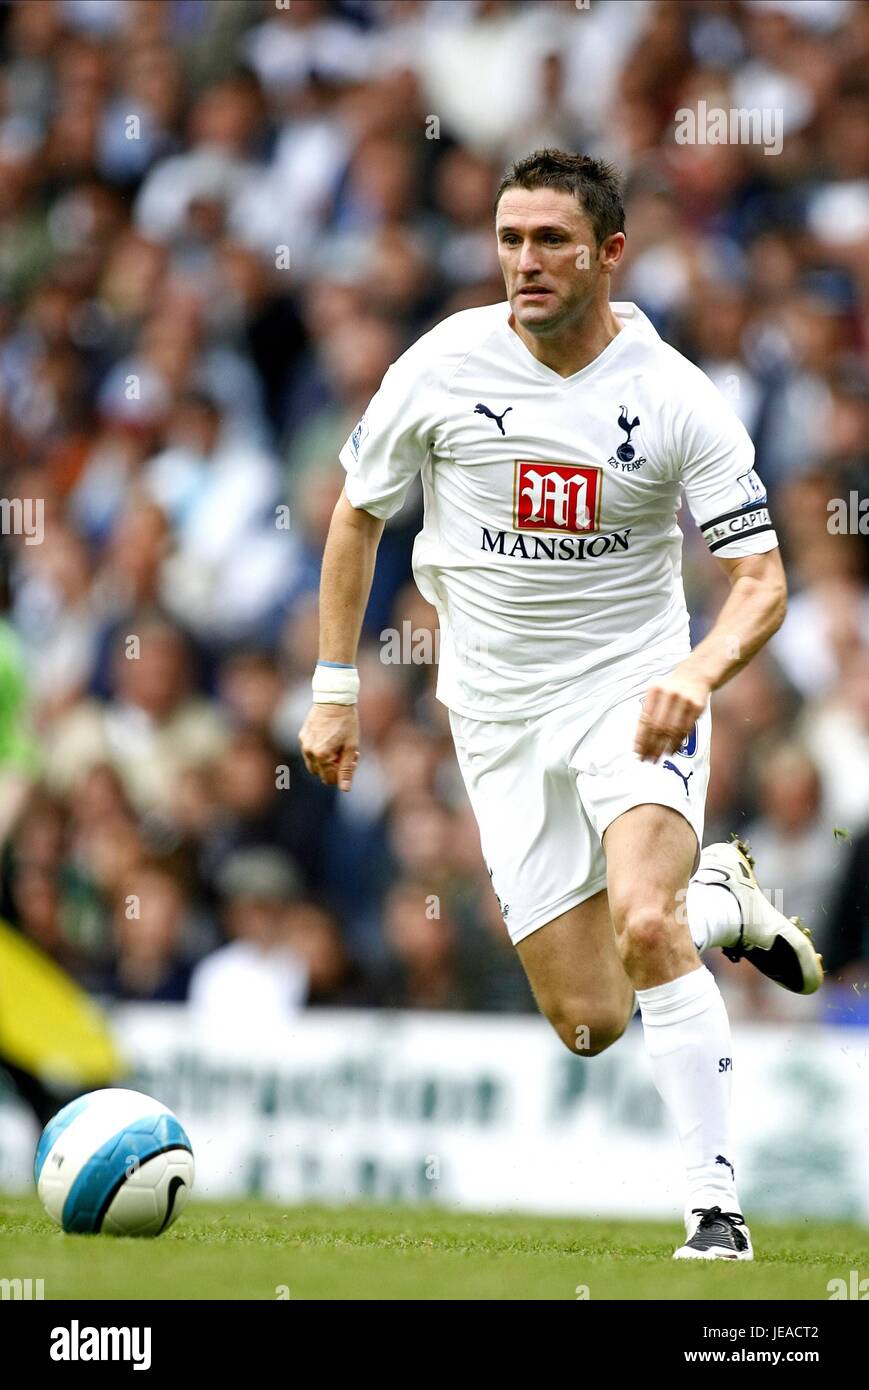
(744, 522)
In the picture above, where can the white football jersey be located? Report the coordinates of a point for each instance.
(550, 546)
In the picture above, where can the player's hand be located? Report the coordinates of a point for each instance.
(330, 744)
(671, 708)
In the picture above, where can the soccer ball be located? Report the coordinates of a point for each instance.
(114, 1161)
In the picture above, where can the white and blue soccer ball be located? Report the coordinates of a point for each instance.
(114, 1161)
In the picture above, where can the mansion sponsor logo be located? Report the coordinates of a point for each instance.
(77, 1343)
(556, 497)
(550, 547)
(740, 125)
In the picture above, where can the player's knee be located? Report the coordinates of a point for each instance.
(642, 932)
(587, 1032)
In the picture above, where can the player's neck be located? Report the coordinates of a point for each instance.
(576, 346)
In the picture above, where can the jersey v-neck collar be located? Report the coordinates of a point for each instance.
(627, 315)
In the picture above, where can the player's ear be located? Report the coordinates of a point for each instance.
(610, 252)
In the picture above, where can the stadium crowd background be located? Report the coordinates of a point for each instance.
(219, 223)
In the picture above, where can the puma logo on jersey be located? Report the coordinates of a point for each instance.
(481, 409)
(671, 767)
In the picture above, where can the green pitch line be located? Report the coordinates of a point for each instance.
(249, 1250)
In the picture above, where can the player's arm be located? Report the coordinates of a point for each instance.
(382, 457)
(330, 735)
(754, 610)
(345, 579)
(713, 459)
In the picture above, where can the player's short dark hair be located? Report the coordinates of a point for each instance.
(596, 185)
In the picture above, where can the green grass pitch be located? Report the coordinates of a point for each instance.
(250, 1250)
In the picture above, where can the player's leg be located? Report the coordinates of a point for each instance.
(650, 819)
(548, 870)
(577, 976)
(650, 851)
(726, 907)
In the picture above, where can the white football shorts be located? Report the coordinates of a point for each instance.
(545, 789)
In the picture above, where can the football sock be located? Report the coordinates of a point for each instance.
(687, 1036)
(714, 918)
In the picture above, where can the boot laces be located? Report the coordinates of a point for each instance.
(711, 1216)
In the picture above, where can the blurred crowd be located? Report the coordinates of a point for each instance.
(220, 221)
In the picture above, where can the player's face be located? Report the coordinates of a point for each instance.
(549, 256)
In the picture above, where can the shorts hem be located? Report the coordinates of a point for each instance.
(603, 826)
(548, 914)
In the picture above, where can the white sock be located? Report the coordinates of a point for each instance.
(687, 1034)
(713, 915)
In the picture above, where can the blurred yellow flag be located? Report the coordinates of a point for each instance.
(49, 1027)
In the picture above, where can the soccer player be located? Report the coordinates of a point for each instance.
(555, 433)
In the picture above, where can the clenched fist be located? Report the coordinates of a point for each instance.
(671, 708)
(330, 744)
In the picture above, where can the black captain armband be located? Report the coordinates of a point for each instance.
(737, 525)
